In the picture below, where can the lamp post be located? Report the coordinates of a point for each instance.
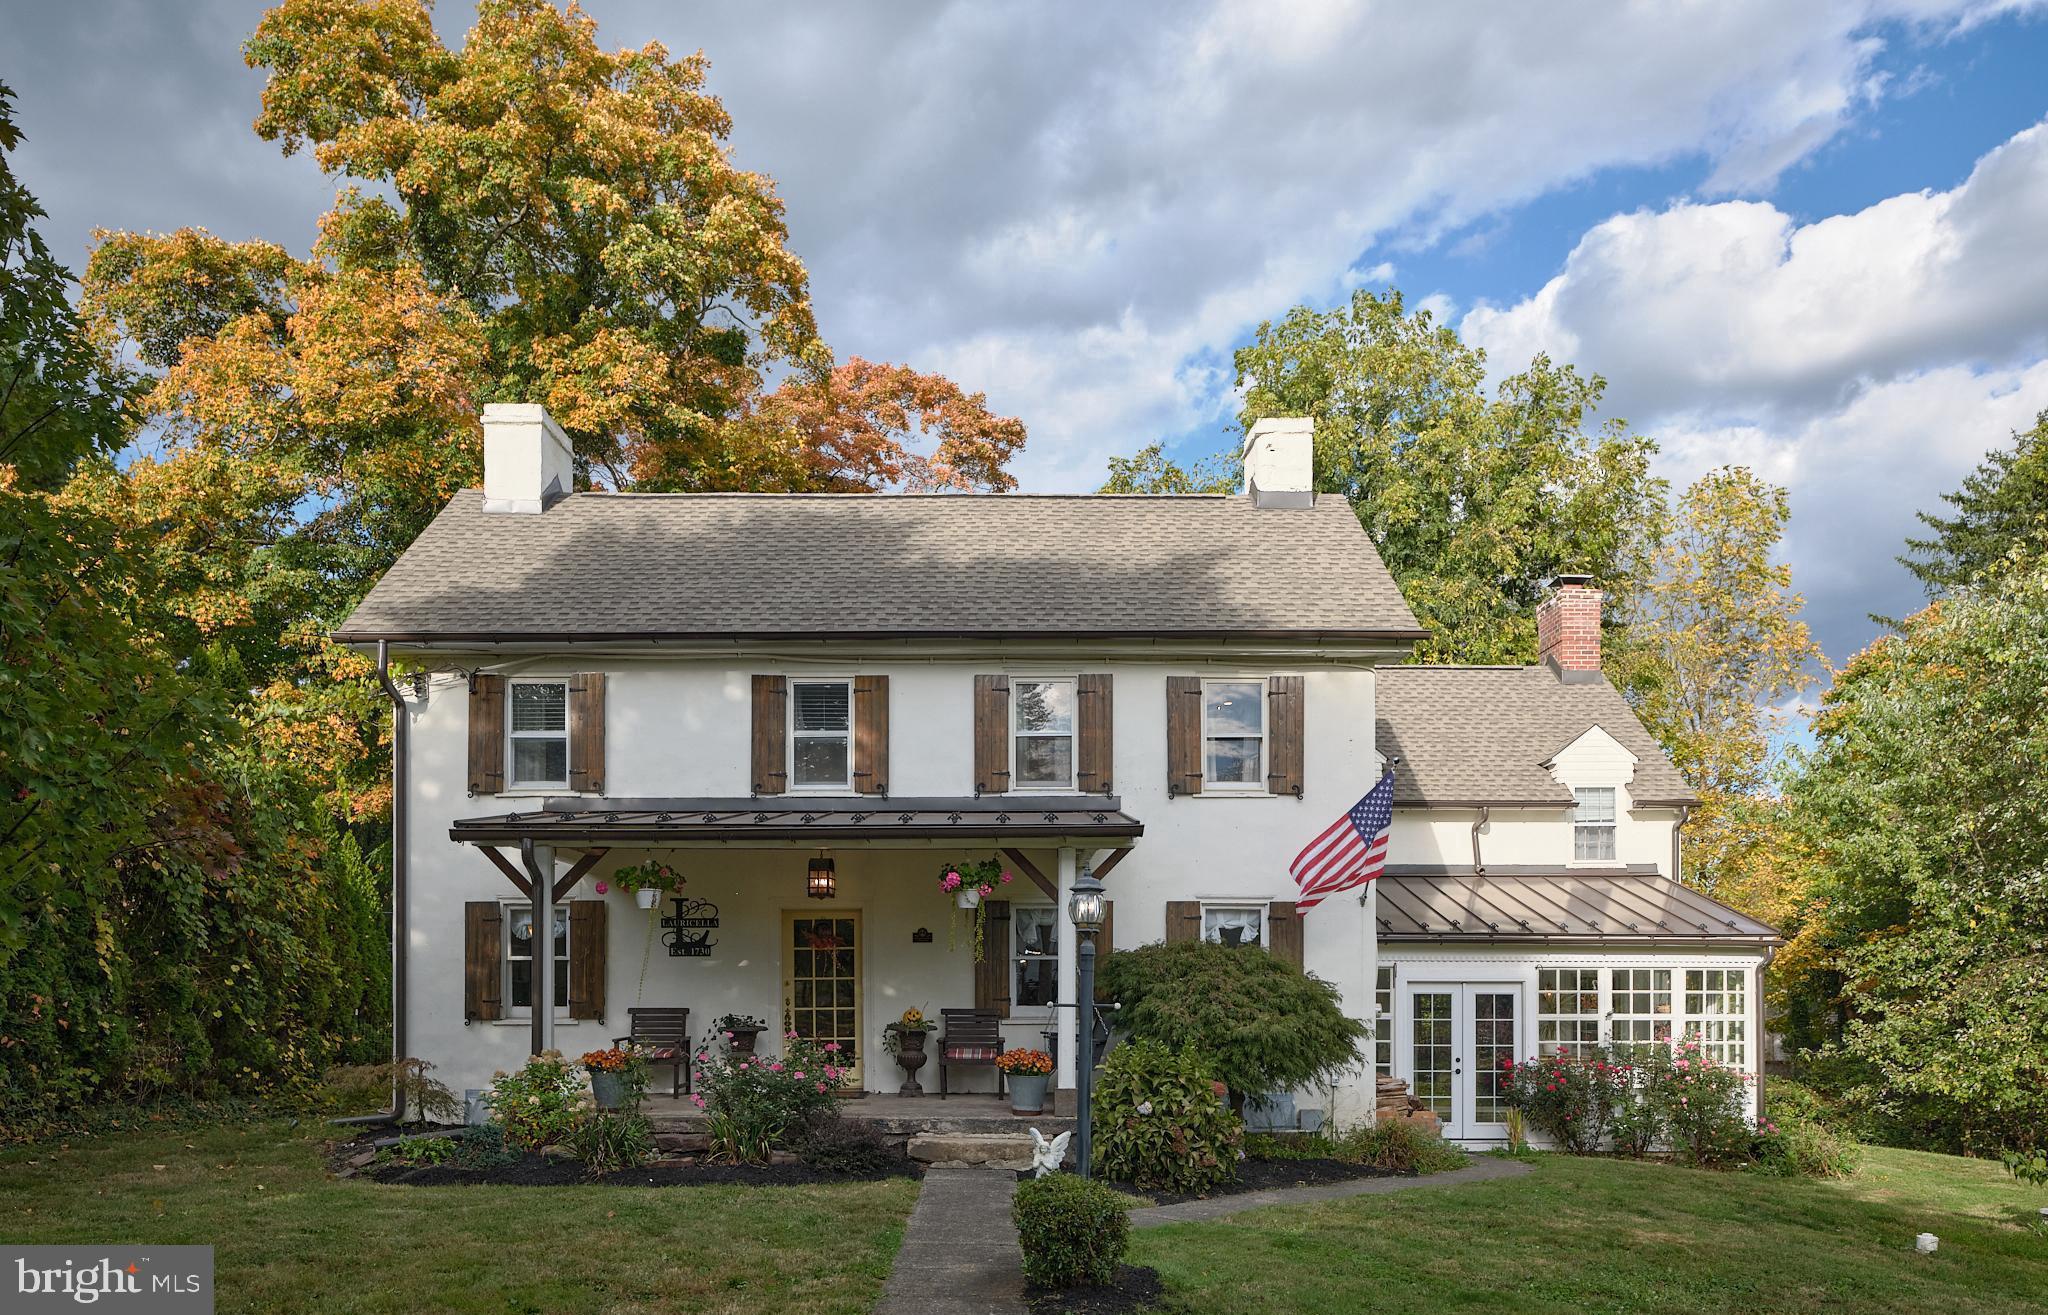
(1084, 910)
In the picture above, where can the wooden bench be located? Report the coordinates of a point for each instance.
(972, 1039)
(663, 1035)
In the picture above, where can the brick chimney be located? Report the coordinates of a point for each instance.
(527, 462)
(1279, 462)
(1568, 628)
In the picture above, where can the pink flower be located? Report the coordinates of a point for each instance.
(821, 1087)
(831, 1047)
(602, 888)
(798, 1074)
(728, 1036)
(697, 1100)
(776, 1067)
(1006, 878)
(987, 890)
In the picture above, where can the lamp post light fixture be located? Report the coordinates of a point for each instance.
(1085, 911)
(823, 881)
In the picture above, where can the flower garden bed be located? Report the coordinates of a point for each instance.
(1136, 1287)
(542, 1171)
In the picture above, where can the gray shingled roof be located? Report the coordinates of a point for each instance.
(1634, 906)
(1481, 735)
(615, 566)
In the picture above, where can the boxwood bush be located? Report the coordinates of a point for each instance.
(1159, 1123)
(1074, 1231)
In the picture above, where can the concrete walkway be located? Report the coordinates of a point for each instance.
(960, 1251)
(1484, 1168)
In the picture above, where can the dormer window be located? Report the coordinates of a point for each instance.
(539, 734)
(821, 734)
(1593, 825)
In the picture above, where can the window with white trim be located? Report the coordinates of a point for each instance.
(519, 954)
(538, 735)
(1234, 924)
(821, 735)
(1567, 1010)
(1234, 735)
(1639, 1006)
(1717, 1013)
(1593, 825)
(1042, 734)
(1383, 1023)
(1035, 928)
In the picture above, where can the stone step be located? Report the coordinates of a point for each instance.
(997, 1150)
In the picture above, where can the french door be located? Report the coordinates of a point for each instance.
(821, 982)
(1458, 1035)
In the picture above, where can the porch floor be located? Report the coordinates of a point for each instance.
(892, 1114)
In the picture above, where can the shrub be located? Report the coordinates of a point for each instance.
(538, 1105)
(430, 1149)
(757, 1103)
(1397, 1146)
(1568, 1098)
(1801, 1148)
(1636, 1127)
(834, 1145)
(1266, 1146)
(1158, 1123)
(359, 1088)
(1074, 1231)
(607, 1141)
(1261, 1024)
(1789, 1101)
(481, 1147)
(2029, 1167)
(1696, 1100)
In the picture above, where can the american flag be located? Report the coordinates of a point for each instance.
(1351, 850)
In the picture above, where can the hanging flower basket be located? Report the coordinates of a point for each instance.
(970, 885)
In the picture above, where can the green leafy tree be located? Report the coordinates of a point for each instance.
(1925, 803)
(1475, 500)
(2003, 505)
(1150, 470)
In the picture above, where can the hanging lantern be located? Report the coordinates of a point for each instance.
(824, 878)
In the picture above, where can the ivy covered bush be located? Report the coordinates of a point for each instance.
(1259, 1024)
(1074, 1230)
(1159, 1123)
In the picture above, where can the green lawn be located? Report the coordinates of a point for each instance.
(1596, 1235)
(288, 1239)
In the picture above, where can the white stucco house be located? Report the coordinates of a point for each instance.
(1175, 691)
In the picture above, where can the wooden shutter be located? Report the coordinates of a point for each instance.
(483, 979)
(586, 958)
(871, 734)
(992, 974)
(1283, 932)
(586, 732)
(1183, 735)
(1183, 920)
(1285, 724)
(486, 734)
(991, 734)
(771, 734)
(1105, 943)
(1096, 755)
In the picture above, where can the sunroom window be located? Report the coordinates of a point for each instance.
(1567, 1010)
(821, 734)
(539, 734)
(1717, 1012)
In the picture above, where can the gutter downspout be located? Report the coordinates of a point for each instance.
(1485, 815)
(401, 921)
(1763, 1025)
(543, 943)
(1684, 815)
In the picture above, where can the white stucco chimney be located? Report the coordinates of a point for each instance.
(528, 463)
(1279, 462)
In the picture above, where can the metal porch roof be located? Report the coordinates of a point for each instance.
(782, 819)
(1635, 905)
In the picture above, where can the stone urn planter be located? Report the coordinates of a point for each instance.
(1027, 1092)
(910, 1057)
(607, 1090)
(743, 1039)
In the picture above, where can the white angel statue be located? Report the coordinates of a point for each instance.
(1048, 1156)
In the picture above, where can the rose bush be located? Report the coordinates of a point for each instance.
(758, 1103)
(1568, 1098)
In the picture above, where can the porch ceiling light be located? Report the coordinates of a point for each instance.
(1085, 905)
(823, 882)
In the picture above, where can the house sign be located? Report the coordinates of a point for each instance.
(689, 928)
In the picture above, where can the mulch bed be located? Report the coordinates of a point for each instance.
(1136, 1287)
(536, 1171)
(1266, 1175)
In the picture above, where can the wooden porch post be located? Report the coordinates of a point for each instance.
(1069, 979)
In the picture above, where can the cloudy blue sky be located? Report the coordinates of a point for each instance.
(1812, 237)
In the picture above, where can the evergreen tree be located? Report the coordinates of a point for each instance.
(2002, 504)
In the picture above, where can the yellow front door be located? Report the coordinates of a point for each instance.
(821, 982)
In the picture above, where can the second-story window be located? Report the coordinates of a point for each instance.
(1593, 825)
(1234, 734)
(1042, 716)
(821, 734)
(539, 734)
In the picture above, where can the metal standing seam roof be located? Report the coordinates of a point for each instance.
(576, 820)
(1631, 906)
(1484, 735)
(599, 566)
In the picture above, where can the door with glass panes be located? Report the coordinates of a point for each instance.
(821, 971)
(1459, 1034)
